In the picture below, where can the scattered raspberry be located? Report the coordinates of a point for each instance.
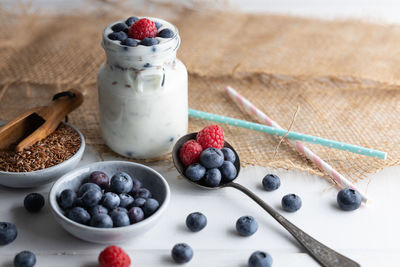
(211, 136)
(190, 152)
(143, 28)
(114, 256)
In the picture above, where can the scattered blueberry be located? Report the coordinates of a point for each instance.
(229, 155)
(135, 214)
(87, 186)
(111, 200)
(195, 172)
(246, 225)
(211, 158)
(271, 182)
(136, 184)
(291, 202)
(228, 171)
(67, 199)
(126, 200)
(196, 221)
(118, 209)
(99, 178)
(119, 27)
(120, 219)
(8, 233)
(142, 193)
(182, 253)
(117, 36)
(131, 20)
(121, 182)
(150, 206)
(166, 33)
(349, 199)
(98, 209)
(149, 41)
(130, 42)
(147, 65)
(212, 178)
(91, 198)
(101, 221)
(79, 215)
(34, 202)
(25, 259)
(260, 259)
(139, 202)
(158, 24)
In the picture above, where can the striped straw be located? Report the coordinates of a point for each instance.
(302, 149)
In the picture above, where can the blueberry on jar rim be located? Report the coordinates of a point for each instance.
(117, 36)
(119, 27)
(166, 33)
(149, 41)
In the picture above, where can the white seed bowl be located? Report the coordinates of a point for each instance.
(44, 176)
(72, 180)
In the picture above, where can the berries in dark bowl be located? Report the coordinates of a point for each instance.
(116, 213)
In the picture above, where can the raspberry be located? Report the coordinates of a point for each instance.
(190, 152)
(143, 28)
(114, 256)
(211, 136)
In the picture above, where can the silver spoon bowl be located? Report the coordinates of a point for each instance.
(324, 255)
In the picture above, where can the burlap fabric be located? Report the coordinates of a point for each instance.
(344, 76)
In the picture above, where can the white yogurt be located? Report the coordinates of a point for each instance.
(143, 96)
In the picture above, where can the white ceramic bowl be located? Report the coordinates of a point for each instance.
(44, 176)
(72, 180)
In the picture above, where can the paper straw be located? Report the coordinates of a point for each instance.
(302, 149)
(290, 135)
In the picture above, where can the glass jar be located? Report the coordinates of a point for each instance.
(143, 96)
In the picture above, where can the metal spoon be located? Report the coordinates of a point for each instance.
(321, 253)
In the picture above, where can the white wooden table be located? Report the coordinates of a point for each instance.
(368, 235)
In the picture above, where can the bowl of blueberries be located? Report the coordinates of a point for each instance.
(109, 202)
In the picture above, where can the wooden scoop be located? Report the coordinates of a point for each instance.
(37, 123)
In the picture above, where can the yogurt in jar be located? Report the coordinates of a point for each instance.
(143, 95)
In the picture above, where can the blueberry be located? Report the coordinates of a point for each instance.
(246, 225)
(111, 200)
(158, 24)
(25, 259)
(229, 155)
(135, 214)
(212, 178)
(139, 202)
(182, 253)
(79, 215)
(149, 41)
(131, 20)
(117, 36)
(120, 219)
(136, 184)
(91, 198)
(87, 186)
(126, 200)
(150, 206)
(271, 182)
(8, 233)
(211, 158)
(98, 209)
(101, 221)
(195, 172)
(34, 202)
(260, 259)
(291, 202)
(119, 27)
(118, 209)
(349, 199)
(166, 33)
(67, 199)
(196, 221)
(99, 178)
(228, 171)
(121, 182)
(142, 193)
(130, 42)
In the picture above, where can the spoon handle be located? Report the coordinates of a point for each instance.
(324, 255)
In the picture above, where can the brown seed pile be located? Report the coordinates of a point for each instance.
(54, 149)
